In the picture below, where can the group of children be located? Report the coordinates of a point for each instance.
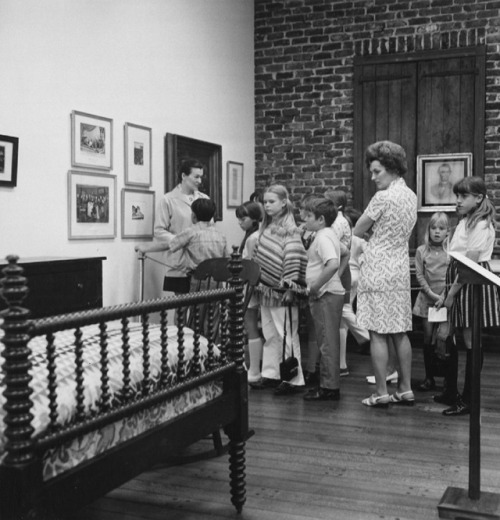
(326, 238)
(313, 268)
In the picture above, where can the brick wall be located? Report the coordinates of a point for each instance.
(304, 52)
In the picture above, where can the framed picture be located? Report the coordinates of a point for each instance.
(91, 205)
(91, 141)
(9, 147)
(234, 184)
(178, 148)
(436, 175)
(137, 155)
(138, 213)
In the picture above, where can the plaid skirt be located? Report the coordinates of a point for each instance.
(461, 310)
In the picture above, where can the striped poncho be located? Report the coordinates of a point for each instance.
(282, 259)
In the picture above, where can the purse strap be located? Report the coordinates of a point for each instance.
(289, 308)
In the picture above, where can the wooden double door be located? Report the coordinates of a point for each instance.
(429, 102)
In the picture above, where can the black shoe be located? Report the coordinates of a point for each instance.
(322, 394)
(264, 383)
(427, 385)
(285, 388)
(311, 378)
(459, 408)
(446, 398)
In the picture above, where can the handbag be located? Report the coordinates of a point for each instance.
(289, 367)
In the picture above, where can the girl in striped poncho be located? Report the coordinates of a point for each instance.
(282, 259)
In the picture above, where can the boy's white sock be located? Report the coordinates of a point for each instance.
(255, 347)
(343, 347)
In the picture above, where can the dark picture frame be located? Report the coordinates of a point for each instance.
(178, 148)
(9, 150)
(436, 175)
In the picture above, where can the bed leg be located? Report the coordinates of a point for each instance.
(237, 474)
(238, 430)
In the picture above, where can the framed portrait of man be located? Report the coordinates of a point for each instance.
(436, 175)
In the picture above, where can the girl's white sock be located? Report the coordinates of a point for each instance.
(255, 347)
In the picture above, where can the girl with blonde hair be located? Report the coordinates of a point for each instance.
(282, 259)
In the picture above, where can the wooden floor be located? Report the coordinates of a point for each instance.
(328, 461)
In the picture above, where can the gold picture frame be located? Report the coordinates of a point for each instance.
(436, 175)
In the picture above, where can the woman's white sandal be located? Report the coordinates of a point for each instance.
(405, 398)
(377, 401)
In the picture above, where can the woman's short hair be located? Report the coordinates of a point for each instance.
(187, 165)
(390, 155)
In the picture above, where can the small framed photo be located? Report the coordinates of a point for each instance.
(234, 184)
(138, 213)
(137, 155)
(91, 205)
(9, 148)
(436, 175)
(91, 141)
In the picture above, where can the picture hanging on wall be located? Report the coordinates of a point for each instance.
(178, 148)
(138, 213)
(137, 155)
(436, 175)
(234, 184)
(9, 147)
(91, 141)
(91, 205)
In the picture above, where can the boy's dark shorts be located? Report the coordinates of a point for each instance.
(178, 285)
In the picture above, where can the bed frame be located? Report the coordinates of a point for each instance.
(25, 495)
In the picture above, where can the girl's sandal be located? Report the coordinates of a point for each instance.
(377, 401)
(405, 398)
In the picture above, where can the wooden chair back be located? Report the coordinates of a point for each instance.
(214, 274)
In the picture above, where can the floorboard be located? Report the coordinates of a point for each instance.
(336, 460)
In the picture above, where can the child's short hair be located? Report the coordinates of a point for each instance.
(338, 197)
(322, 207)
(250, 209)
(203, 209)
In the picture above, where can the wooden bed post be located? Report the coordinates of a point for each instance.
(237, 431)
(17, 470)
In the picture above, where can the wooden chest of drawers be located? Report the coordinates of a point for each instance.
(59, 285)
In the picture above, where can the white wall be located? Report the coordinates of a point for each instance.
(178, 66)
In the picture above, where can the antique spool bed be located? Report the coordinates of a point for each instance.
(91, 399)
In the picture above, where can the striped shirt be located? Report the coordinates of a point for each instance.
(282, 258)
(199, 242)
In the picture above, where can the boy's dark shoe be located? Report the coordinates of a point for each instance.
(459, 408)
(322, 394)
